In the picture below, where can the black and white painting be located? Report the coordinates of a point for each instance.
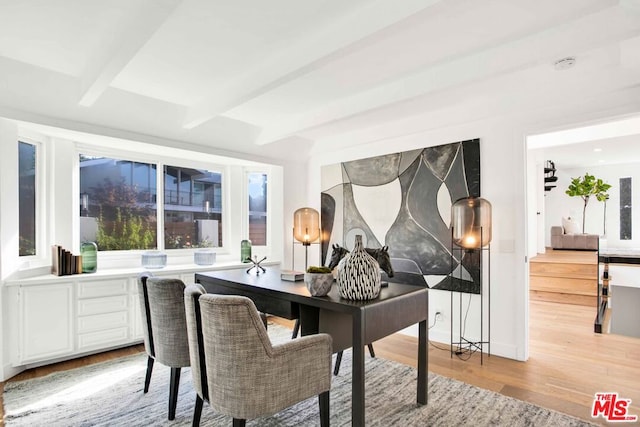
(403, 201)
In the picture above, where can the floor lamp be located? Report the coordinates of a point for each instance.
(306, 230)
(471, 236)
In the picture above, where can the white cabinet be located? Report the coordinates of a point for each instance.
(46, 316)
(135, 326)
(60, 317)
(103, 313)
(187, 278)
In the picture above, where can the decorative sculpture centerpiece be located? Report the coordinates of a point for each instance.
(358, 274)
(256, 264)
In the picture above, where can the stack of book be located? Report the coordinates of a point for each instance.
(291, 275)
(63, 262)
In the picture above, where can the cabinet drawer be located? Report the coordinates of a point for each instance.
(102, 305)
(100, 322)
(188, 278)
(102, 288)
(102, 339)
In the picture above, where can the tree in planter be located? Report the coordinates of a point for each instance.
(587, 187)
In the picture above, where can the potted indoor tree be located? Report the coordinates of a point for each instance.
(585, 187)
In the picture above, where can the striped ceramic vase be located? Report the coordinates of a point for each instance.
(358, 274)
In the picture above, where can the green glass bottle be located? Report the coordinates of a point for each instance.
(245, 251)
(89, 253)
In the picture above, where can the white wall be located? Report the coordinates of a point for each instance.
(503, 184)
(8, 219)
(535, 201)
(558, 204)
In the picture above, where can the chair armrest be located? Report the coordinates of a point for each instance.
(321, 343)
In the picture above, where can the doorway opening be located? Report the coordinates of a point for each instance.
(566, 233)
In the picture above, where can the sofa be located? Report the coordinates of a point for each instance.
(573, 241)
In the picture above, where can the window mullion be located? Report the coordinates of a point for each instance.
(160, 167)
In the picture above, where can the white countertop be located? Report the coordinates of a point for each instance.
(128, 272)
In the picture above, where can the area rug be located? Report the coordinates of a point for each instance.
(110, 394)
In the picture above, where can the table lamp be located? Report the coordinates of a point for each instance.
(306, 228)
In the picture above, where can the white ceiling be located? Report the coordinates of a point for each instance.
(600, 144)
(610, 151)
(266, 77)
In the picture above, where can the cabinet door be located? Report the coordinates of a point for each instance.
(188, 278)
(46, 321)
(137, 333)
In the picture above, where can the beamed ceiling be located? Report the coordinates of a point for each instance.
(275, 77)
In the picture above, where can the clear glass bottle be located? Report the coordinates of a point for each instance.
(89, 253)
(245, 250)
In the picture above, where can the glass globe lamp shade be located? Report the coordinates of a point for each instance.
(306, 225)
(471, 222)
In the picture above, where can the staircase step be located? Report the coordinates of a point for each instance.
(564, 270)
(587, 287)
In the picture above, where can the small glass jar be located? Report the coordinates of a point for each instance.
(245, 250)
(154, 259)
(89, 253)
(204, 257)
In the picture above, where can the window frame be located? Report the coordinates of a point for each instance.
(215, 168)
(41, 256)
(245, 204)
(116, 155)
(160, 162)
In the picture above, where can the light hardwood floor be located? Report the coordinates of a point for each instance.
(568, 363)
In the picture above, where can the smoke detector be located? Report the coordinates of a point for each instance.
(565, 63)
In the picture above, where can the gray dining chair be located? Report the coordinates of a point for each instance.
(239, 372)
(165, 330)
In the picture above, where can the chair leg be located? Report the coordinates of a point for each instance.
(323, 400)
(296, 329)
(147, 378)
(237, 422)
(174, 383)
(336, 368)
(197, 411)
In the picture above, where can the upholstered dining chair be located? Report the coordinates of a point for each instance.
(238, 370)
(165, 330)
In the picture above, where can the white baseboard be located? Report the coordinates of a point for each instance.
(442, 337)
(10, 371)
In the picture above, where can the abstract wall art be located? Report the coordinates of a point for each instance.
(403, 201)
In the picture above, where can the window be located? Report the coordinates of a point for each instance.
(27, 198)
(192, 208)
(257, 208)
(118, 203)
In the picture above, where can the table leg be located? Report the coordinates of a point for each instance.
(357, 396)
(308, 320)
(423, 362)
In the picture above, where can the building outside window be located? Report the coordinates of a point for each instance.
(118, 203)
(192, 208)
(27, 198)
(257, 208)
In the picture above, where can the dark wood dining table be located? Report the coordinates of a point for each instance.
(350, 323)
